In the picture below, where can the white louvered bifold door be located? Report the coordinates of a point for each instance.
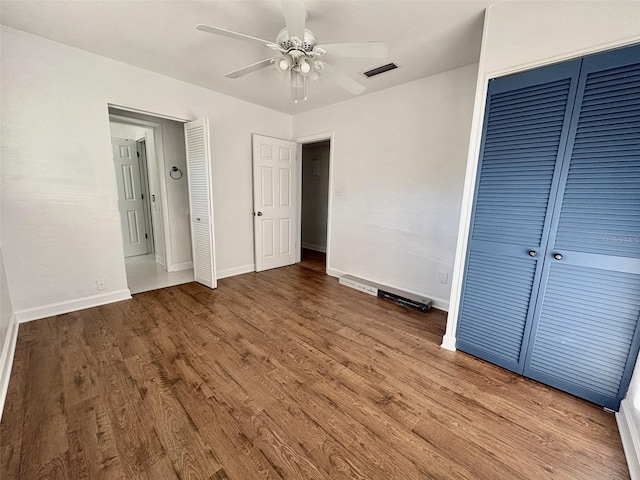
(200, 201)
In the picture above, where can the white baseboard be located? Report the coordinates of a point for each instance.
(628, 420)
(71, 305)
(335, 273)
(449, 343)
(6, 360)
(178, 267)
(317, 248)
(438, 303)
(230, 272)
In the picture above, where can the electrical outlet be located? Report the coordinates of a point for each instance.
(443, 277)
(101, 284)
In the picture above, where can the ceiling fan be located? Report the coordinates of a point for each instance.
(298, 54)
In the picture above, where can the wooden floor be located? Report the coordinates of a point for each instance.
(283, 374)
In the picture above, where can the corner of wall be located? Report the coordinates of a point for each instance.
(6, 360)
(59, 308)
(10, 338)
(628, 422)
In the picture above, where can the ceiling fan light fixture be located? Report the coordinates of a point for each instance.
(301, 59)
(305, 66)
(285, 63)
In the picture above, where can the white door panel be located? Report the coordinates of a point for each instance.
(274, 183)
(130, 204)
(200, 201)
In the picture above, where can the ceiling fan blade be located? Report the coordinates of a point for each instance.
(251, 68)
(340, 78)
(356, 50)
(231, 34)
(295, 16)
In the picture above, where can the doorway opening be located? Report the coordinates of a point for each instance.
(315, 166)
(150, 163)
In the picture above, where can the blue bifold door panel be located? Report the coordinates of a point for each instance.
(525, 133)
(552, 284)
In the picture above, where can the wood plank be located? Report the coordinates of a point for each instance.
(92, 446)
(190, 456)
(283, 374)
(11, 430)
(135, 435)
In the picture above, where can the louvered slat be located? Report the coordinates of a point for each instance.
(202, 238)
(571, 345)
(605, 169)
(585, 338)
(522, 138)
(491, 327)
(524, 187)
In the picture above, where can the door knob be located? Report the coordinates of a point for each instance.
(557, 256)
(259, 214)
(532, 253)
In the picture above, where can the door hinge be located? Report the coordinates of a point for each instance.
(138, 154)
(142, 196)
(146, 236)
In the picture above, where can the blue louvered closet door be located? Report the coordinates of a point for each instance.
(585, 334)
(559, 178)
(525, 127)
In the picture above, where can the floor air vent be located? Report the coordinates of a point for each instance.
(388, 293)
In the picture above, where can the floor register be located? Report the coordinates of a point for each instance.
(394, 295)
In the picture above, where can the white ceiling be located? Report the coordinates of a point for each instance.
(424, 38)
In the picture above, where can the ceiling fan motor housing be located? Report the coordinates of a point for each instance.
(304, 45)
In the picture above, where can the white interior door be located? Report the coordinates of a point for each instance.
(200, 201)
(274, 201)
(134, 229)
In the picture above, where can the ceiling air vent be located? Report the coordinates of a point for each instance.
(378, 70)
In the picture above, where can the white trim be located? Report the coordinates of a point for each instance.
(564, 57)
(144, 112)
(317, 248)
(302, 141)
(438, 303)
(59, 308)
(449, 338)
(162, 180)
(160, 260)
(6, 360)
(449, 343)
(231, 272)
(630, 437)
(177, 267)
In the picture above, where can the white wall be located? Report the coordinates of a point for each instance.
(120, 130)
(520, 35)
(131, 132)
(59, 193)
(177, 190)
(315, 189)
(398, 171)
